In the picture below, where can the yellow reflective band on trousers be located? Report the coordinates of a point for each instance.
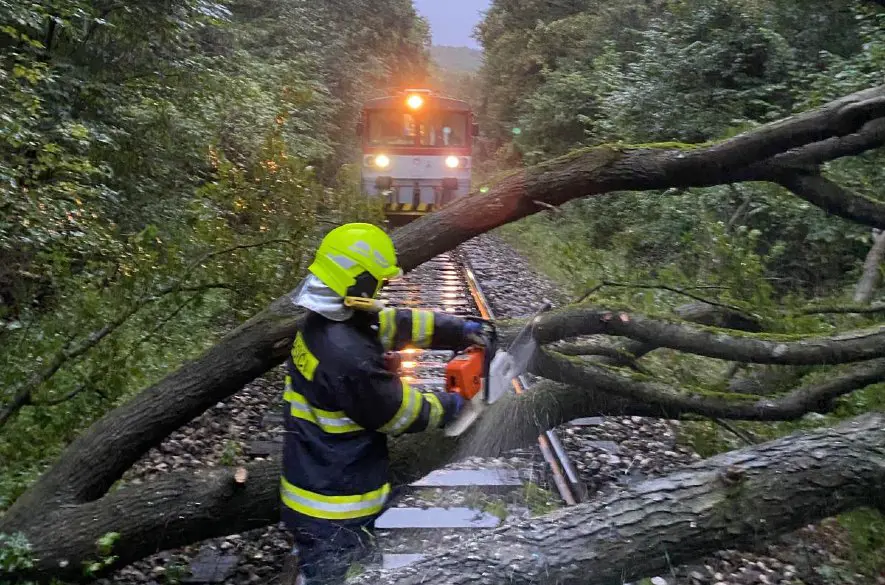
(333, 507)
(333, 422)
(436, 410)
(422, 328)
(387, 328)
(409, 410)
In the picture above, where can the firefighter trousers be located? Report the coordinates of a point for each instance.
(327, 550)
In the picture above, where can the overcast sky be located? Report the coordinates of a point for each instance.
(452, 21)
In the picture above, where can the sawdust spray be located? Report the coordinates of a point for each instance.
(508, 424)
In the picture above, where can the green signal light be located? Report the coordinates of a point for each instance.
(483, 189)
(517, 131)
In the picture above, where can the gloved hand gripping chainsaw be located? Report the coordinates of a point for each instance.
(473, 374)
(480, 374)
(483, 373)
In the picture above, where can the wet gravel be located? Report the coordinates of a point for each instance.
(607, 453)
(219, 436)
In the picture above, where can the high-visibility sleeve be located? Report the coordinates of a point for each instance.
(376, 399)
(419, 328)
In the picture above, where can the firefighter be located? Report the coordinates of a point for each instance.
(342, 402)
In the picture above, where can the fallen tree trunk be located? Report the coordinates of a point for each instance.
(181, 508)
(604, 169)
(734, 500)
(102, 454)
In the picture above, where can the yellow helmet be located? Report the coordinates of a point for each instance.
(355, 259)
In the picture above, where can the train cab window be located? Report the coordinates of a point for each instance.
(396, 128)
(392, 128)
(444, 129)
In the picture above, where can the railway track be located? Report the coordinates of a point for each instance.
(447, 283)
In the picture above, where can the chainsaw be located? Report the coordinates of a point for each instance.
(481, 373)
(470, 374)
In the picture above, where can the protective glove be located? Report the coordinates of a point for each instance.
(474, 333)
(452, 413)
(459, 403)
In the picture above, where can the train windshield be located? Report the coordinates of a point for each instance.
(429, 128)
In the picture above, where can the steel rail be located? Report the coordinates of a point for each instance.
(551, 449)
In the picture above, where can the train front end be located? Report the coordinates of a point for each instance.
(416, 152)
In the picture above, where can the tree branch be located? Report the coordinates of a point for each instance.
(844, 348)
(672, 289)
(836, 309)
(183, 507)
(23, 393)
(835, 199)
(869, 280)
(605, 169)
(99, 456)
(810, 157)
(816, 397)
(215, 253)
(744, 436)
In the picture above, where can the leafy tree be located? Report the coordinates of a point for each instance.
(164, 168)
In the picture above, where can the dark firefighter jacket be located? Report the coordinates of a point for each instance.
(341, 403)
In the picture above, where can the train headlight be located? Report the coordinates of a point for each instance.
(415, 101)
(452, 162)
(382, 161)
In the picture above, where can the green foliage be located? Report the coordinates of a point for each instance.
(681, 73)
(703, 437)
(866, 529)
(354, 570)
(497, 509)
(539, 500)
(165, 171)
(104, 546)
(230, 453)
(689, 71)
(462, 59)
(15, 553)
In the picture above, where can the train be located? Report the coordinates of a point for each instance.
(416, 151)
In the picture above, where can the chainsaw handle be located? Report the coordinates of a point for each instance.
(489, 327)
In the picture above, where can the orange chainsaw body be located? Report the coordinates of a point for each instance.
(465, 372)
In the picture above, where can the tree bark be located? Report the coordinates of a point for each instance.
(182, 508)
(605, 169)
(737, 499)
(100, 456)
(835, 199)
(863, 293)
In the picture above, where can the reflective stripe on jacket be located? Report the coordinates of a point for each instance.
(341, 403)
